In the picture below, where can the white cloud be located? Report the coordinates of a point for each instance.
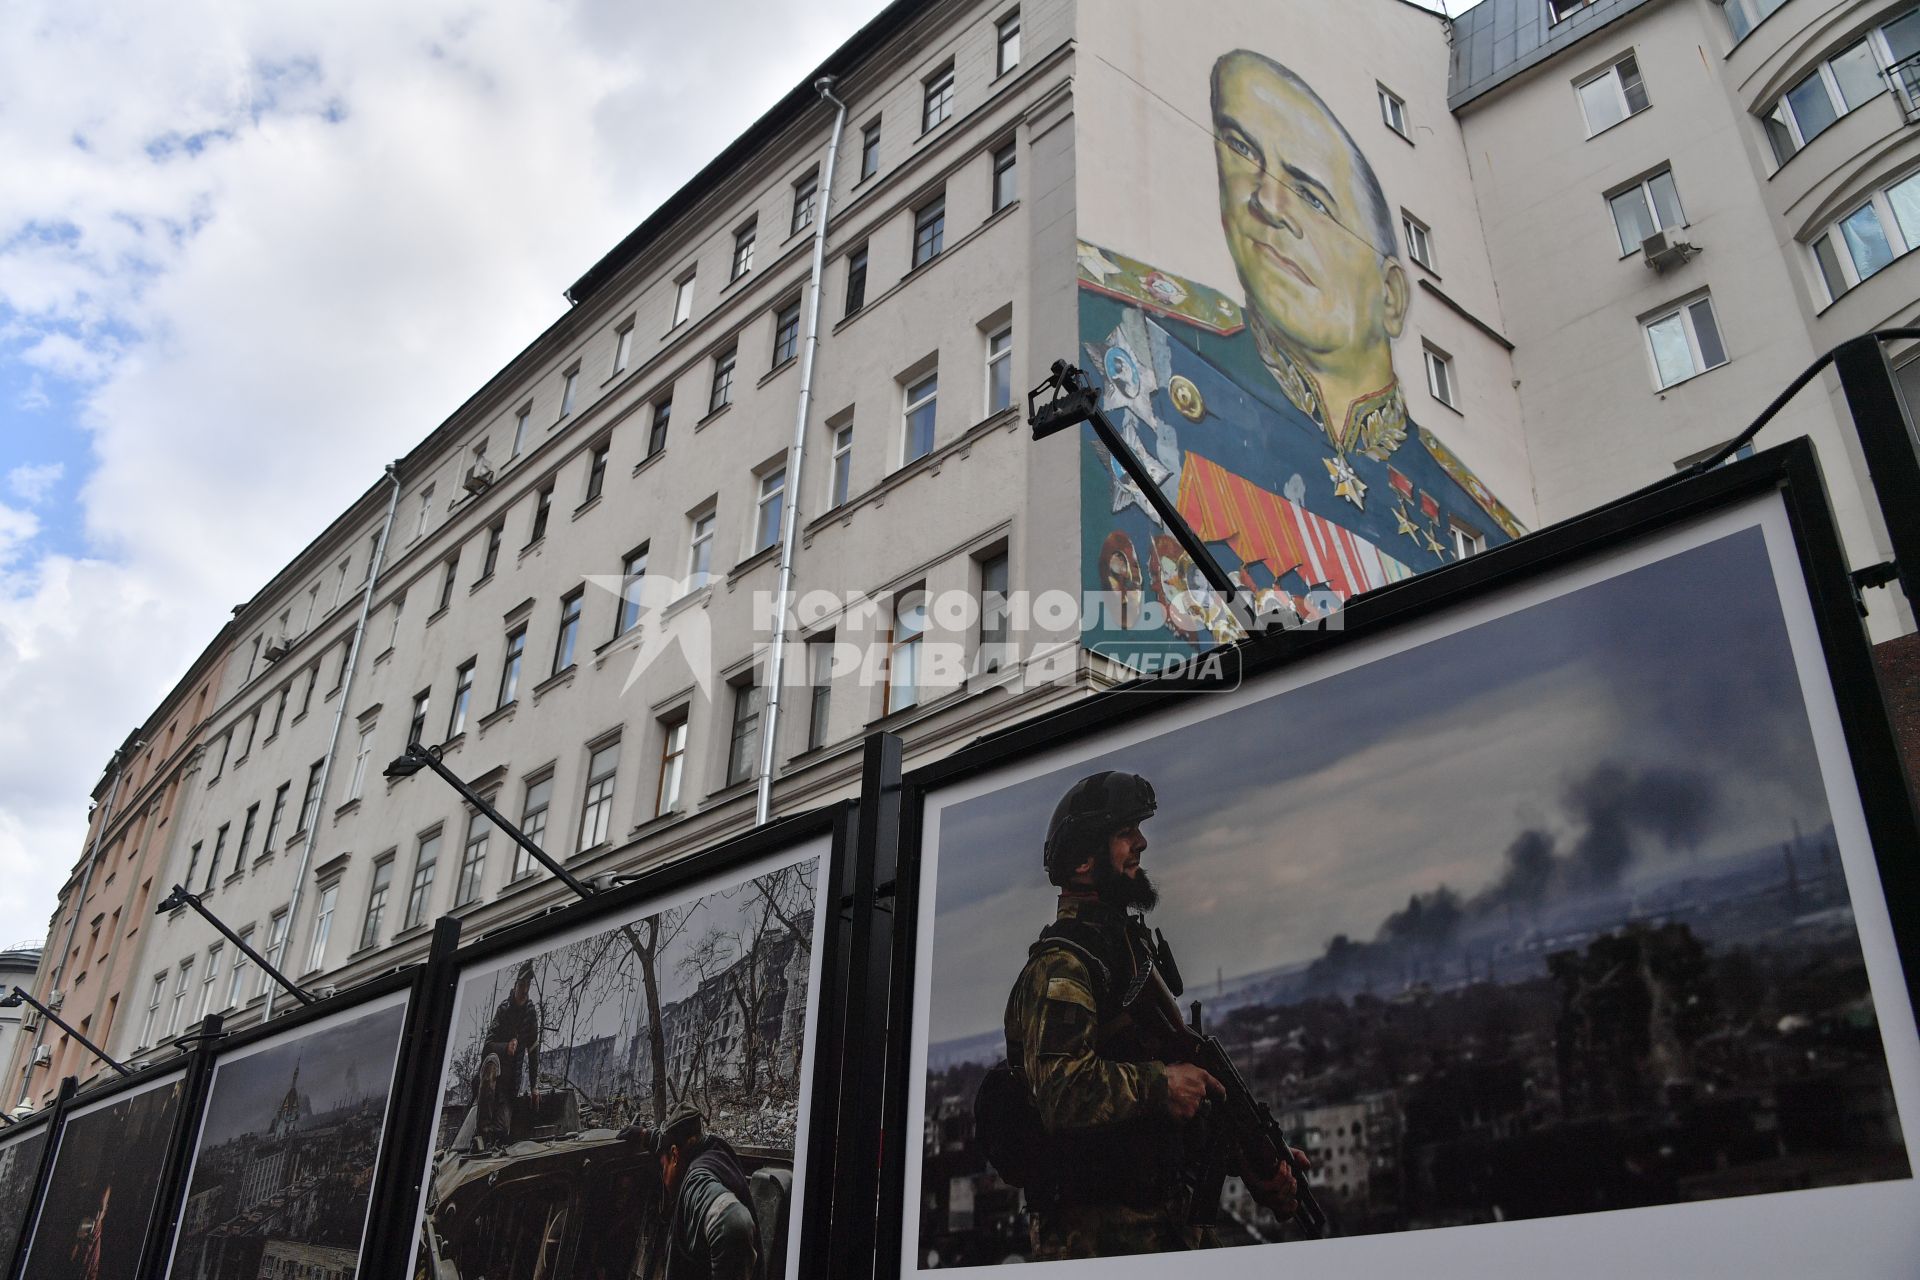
(275, 245)
(31, 483)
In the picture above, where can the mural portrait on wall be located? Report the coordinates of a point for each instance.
(1271, 414)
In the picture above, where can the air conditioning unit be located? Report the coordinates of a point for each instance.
(57, 1001)
(277, 648)
(42, 1054)
(479, 478)
(1663, 249)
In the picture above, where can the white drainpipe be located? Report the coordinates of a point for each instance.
(796, 458)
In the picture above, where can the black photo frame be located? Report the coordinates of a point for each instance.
(1779, 491)
(25, 1154)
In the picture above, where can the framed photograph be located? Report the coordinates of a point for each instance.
(21, 1149)
(1544, 910)
(630, 1080)
(110, 1157)
(293, 1129)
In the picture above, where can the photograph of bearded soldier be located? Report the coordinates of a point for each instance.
(1127, 1161)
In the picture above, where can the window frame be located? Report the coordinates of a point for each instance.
(911, 405)
(462, 698)
(819, 689)
(908, 648)
(1612, 73)
(1393, 111)
(929, 231)
(720, 393)
(327, 901)
(633, 567)
(675, 729)
(373, 916)
(236, 979)
(420, 884)
(772, 491)
(856, 290)
(741, 260)
(1899, 239)
(936, 98)
(1442, 382)
(597, 796)
(512, 663)
(840, 466)
(1006, 32)
(1683, 308)
(622, 347)
(1006, 177)
(566, 636)
(999, 361)
(533, 821)
(1419, 238)
(746, 718)
(569, 391)
(786, 333)
(597, 458)
(700, 533)
(806, 198)
(1643, 186)
(658, 424)
(471, 878)
(869, 149)
(682, 300)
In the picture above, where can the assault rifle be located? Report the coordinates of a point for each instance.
(1249, 1122)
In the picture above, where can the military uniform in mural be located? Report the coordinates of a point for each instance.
(1236, 434)
(512, 1043)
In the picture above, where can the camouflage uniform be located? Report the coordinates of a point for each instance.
(1092, 1083)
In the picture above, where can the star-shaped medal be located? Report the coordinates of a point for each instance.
(1407, 526)
(1346, 484)
(1433, 543)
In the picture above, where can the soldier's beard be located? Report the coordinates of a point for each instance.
(1124, 891)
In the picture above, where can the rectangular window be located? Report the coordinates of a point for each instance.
(417, 726)
(929, 231)
(1466, 540)
(682, 301)
(569, 387)
(473, 859)
(1650, 205)
(1684, 342)
(1560, 10)
(743, 750)
(533, 823)
(996, 626)
(842, 466)
(399, 609)
(622, 346)
(657, 429)
(870, 150)
(462, 696)
(209, 981)
(632, 569)
(908, 627)
(856, 279)
(1870, 237)
(542, 508)
(1612, 96)
(1006, 177)
(510, 667)
(722, 393)
(1440, 377)
(742, 252)
(449, 574)
(569, 632)
(596, 803)
(219, 850)
(279, 712)
(937, 98)
(322, 927)
(820, 685)
(1393, 110)
(806, 194)
(1007, 44)
(520, 417)
(220, 757)
(786, 333)
(181, 982)
(306, 694)
(155, 996)
(361, 758)
(999, 371)
(253, 726)
(700, 551)
(425, 514)
(420, 892)
(310, 803)
(922, 403)
(772, 501)
(673, 759)
(278, 812)
(276, 944)
(597, 470)
(375, 919)
(237, 971)
(1419, 240)
(246, 837)
(491, 560)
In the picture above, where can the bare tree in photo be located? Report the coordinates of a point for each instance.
(660, 931)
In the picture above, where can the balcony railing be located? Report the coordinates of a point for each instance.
(1904, 76)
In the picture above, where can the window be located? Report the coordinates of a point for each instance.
(596, 803)
(673, 759)
(857, 279)
(999, 371)
(870, 150)
(773, 495)
(1683, 342)
(253, 726)
(569, 386)
(820, 685)
(237, 972)
(533, 822)
(632, 570)
(220, 760)
(722, 394)
(909, 626)
(806, 193)
(786, 333)
(842, 468)
(420, 892)
(1007, 44)
(419, 528)
(155, 995)
(306, 695)
(929, 231)
(682, 300)
(937, 100)
(449, 574)
(1870, 237)
(700, 551)
(569, 632)
(1419, 240)
(322, 927)
(310, 803)
(279, 712)
(376, 916)
(209, 981)
(996, 625)
(473, 860)
(491, 560)
(1466, 540)
(278, 812)
(246, 837)
(1440, 377)
(1561, 10)
(276, 945)
(1612, 96)
(399, 609)
(922, 398)
(597, 470)
(462, 695)
(1393, 110)
(657, 431)
(346, 656)
(219, 849)
(417, 726)
(184, 977)
(1744, 15)
(542, 508)
(510, 666)
(360, 759)
(520, 417)
(743, 750)
(1006, 177)
(622, 346)
(1650, 205)
(742, 252)
(1841, 83)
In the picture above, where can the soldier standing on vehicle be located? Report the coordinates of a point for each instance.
(710, 1231)
(1125, 1145)
(513, 1040)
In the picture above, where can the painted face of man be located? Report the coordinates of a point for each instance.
(1295, 223)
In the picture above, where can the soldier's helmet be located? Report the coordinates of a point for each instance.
(1093, 809)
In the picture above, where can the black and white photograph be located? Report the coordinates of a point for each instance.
(106, 1171)
(19, 1168)
(633, 1095)
(1557, 905)
(288, 1147)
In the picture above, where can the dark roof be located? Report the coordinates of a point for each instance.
(1496, 40)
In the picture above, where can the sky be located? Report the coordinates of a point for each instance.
(248, 1091)
(1322, 810)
